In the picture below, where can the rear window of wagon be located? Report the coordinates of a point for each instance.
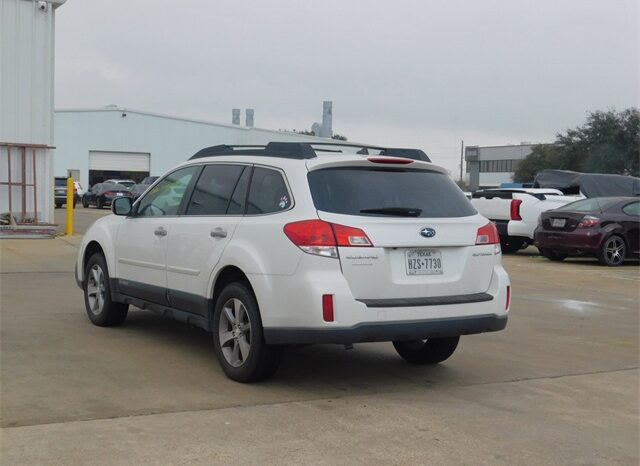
(352, 190)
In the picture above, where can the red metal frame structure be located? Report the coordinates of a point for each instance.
(23, 179)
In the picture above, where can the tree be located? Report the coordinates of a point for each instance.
(609, 142)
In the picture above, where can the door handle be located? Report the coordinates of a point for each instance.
(160, 231)
(218, 233)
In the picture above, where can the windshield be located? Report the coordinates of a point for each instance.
(384, 192)
(61, 182)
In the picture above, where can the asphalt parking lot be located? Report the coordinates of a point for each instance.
(558, 386)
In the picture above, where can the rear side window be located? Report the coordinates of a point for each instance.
(632, 209)
(214, 189)
(268, 192)
(387, 192)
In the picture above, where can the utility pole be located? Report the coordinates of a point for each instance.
(461, 158)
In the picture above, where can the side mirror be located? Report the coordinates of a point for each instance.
(121, 206)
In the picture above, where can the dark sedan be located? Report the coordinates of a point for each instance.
(141, 187)
(604, 227)
(103, 194)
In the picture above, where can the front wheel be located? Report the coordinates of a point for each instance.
(429, 351)
(238, 337)
(613, 251)
(97, 295)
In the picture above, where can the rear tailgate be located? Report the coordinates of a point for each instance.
(421, 227)
(404, 264)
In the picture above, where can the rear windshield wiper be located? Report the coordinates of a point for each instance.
(396, 211)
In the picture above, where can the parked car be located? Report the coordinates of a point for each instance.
(60, 192)
(515, 211)
(605, 227)
(280, 245)
(103, 194)
(138, 189)
(127, 183)
(79, 190)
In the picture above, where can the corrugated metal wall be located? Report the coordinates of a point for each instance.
(26, 91)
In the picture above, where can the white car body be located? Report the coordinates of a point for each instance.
(496, 205)
(374, 298)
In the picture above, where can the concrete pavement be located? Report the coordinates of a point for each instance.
(559, 386)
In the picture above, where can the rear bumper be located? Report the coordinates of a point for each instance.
(387, 331)
(569, 241)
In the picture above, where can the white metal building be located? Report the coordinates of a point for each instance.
(26, 109)
(490, 166)
(113, 142)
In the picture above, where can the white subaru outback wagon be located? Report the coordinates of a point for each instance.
(294, 243)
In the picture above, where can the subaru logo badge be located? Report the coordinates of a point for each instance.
(428, 232)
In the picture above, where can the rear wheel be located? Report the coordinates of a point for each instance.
(613, 251)
(99, 203)
(85, 204)
(97, 295)
(429, 351)
(553, 255)
(238, 337)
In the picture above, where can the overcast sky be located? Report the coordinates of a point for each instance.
(405, 73)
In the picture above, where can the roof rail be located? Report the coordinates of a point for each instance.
(304, 150)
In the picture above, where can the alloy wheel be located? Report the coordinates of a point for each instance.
(614, 250)
(234, 332)
(96, 289)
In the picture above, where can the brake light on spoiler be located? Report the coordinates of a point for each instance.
(390, 160)
(323, 238)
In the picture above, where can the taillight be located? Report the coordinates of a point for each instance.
(588, 221)
(108, 193)
(487, 234)
(323, 238)
(350, 236)
(508, 303)
(390, 160)
(515, 209)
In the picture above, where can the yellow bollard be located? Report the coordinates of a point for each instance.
(70, 198)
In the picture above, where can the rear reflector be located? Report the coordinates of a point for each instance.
(327, 307)
(390, 160)
(515, 209)
(487, 234)
(506, 307)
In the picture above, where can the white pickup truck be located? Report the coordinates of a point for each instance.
(515, 211)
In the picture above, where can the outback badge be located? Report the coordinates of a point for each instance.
(428, 232)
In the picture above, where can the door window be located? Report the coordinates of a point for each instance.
(166, 196)
(213, 192)
(268, 192)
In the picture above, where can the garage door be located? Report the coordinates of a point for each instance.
(119, 161)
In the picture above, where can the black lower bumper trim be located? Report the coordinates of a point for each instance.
(387, 331)
(430, 301)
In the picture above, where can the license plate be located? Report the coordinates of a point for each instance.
(558, 222)
(119, 194)
(423, 262)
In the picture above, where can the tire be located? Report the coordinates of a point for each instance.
(97, 295)
(511, 245)
(430, 351)
(99, 204)
(553, 255)
(613, 251)
(85, 204)
(241, 350)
